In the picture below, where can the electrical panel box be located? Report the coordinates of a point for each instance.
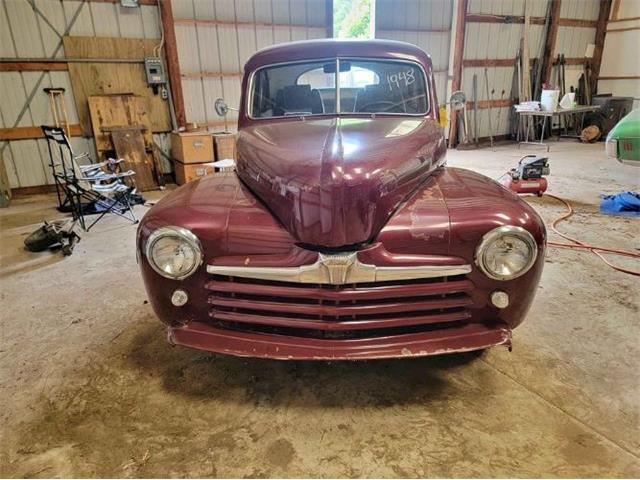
(155, 71)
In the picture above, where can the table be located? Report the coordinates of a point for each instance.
(561, 113)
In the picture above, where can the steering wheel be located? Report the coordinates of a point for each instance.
(385, 106)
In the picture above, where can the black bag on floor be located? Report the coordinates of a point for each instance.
(53, 235)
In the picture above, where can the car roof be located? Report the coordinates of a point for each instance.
(331, 48)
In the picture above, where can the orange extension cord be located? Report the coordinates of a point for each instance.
(577, 244)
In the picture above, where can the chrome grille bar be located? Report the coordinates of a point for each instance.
(339, 269)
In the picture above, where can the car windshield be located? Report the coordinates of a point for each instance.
(365, 87)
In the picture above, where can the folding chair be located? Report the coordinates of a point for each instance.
(87, 189)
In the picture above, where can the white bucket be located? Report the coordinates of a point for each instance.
(549, 100)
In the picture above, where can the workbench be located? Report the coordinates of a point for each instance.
(546, 117)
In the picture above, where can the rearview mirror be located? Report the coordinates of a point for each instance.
(458, 100)
(221, 107)
(331, 67)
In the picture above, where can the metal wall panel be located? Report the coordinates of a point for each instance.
(400, 20)
(207, 50)
(616, 57)
(25, 34)
(580, 9)
(411, 21)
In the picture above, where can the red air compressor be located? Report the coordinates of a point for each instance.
(527, 177)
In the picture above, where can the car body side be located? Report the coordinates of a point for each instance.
(623, 141)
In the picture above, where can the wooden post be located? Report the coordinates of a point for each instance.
(328, 5)
(615, 9)
(458, 55)
(5, 188)
(550, 40)
(601, 31)
(173, 67)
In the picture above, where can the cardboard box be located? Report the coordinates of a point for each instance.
(192, 147)
(225, 145)
(192, 171)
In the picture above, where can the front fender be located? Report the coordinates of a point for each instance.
(449, 215)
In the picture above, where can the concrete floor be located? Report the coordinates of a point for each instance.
(88, 386)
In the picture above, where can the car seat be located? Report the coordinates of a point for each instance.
(376, 98)
(299, 99)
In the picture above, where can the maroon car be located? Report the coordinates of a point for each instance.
(342, 234)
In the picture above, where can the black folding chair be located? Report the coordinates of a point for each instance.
(88, 189)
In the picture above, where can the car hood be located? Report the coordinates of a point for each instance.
(336, 182)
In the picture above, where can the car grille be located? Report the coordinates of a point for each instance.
(360, 310)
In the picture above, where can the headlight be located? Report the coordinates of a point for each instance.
(611, 147)
(173, 252)
(506, 252)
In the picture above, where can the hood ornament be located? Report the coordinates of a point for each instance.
(337, 266)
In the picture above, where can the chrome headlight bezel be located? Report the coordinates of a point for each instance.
(184, 235)
(495, 234)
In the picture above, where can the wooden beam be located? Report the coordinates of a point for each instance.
(173, 66)
(550, 41)
(20, 192)
(228, 23)
(458, 55)
(576, 61)
(576, 22)
(622, 77)
(26, 133)
(489, 62)
(601, 32)
(495, 103)
(19, 66)
(518, 19)
(628, 19)
(611, 30)
(510, 62)
(489, 18)
(210, 74)
(614, 11)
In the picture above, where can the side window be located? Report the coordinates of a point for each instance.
(293, 89)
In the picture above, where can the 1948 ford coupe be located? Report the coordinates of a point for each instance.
(342, 234)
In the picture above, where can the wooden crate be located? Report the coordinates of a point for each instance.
(225, 145)
(192, 171)
(192, 147)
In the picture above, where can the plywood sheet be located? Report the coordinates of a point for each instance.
(115, 111)
(90, 79)
(129, 144)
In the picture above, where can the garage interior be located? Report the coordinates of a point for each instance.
(90, 387)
